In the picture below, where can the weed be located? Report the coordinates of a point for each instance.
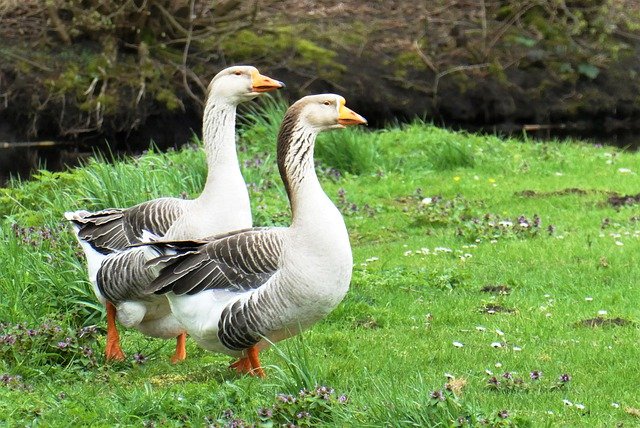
(27, 348)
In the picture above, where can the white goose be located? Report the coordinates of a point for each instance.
(118, 273)
(236, 293)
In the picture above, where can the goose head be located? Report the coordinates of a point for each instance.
(241, 83)
(325, 111)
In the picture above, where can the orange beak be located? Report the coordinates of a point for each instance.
(347, 117)
(261, 83)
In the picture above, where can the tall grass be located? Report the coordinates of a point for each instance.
(350, 150)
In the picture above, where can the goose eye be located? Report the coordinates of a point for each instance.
(237, 73)
(327, 103)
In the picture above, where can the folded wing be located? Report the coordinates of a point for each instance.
(117, 229)
(236, 261)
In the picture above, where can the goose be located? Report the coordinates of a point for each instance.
(117, 272)
(238, 292)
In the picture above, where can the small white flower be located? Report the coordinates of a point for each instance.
(579, 406)
(517, 348)
(589, 299)
(498, 365)
(505, 223)
(442, 250)
(481, 328)
(567, 402)
(490, 373)
(615, 405)
(559, 174)
(458, 344)
(408, 253)
(619, 243)
(494, 241)
(449, 376)
(426, 201)
(372, 259)
(496, 345)
(625, 171)
(499, 332)
(609, 162)
(548, 315)
(547, 295)
(608, 155)
(602, 312)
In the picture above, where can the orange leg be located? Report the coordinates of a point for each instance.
(181, 350)
(249, 364)
(252, 354)
(113, 350)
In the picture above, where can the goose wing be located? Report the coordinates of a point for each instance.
(116, 229)
(236, 261)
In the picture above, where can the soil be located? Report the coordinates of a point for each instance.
(604, 322)
(494, 309)
(496, 289)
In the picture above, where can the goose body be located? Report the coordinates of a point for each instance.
(238, 292)
(117, 270)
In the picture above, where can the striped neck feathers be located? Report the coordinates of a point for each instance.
(295, 154)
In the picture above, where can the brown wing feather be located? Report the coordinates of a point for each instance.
(117, 229)
(237, 261)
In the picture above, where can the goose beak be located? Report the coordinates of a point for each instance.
(347, 117)
(261, 83)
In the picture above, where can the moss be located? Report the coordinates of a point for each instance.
(284, 42)
(405, 62)
(168, 99)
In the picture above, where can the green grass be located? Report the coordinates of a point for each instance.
(423, 206)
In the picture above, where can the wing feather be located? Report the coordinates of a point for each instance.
(117, 229)
(237, 261)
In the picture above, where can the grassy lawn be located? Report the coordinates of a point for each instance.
(480, 263)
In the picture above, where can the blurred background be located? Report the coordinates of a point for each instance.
(84, 75)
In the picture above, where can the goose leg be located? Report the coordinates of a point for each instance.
(181, 350)
(249, 364)
(113, 350)
(252, 354)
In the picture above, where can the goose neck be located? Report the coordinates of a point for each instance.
(218, 135)
(297, 170)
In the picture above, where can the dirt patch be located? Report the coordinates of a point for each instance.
(496, 289)
(368, 323)
(562, 192)
(617, 200)
(604, 322)
(494, 309)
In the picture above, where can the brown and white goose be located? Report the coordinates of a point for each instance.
(117, 272)
(238, 292)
